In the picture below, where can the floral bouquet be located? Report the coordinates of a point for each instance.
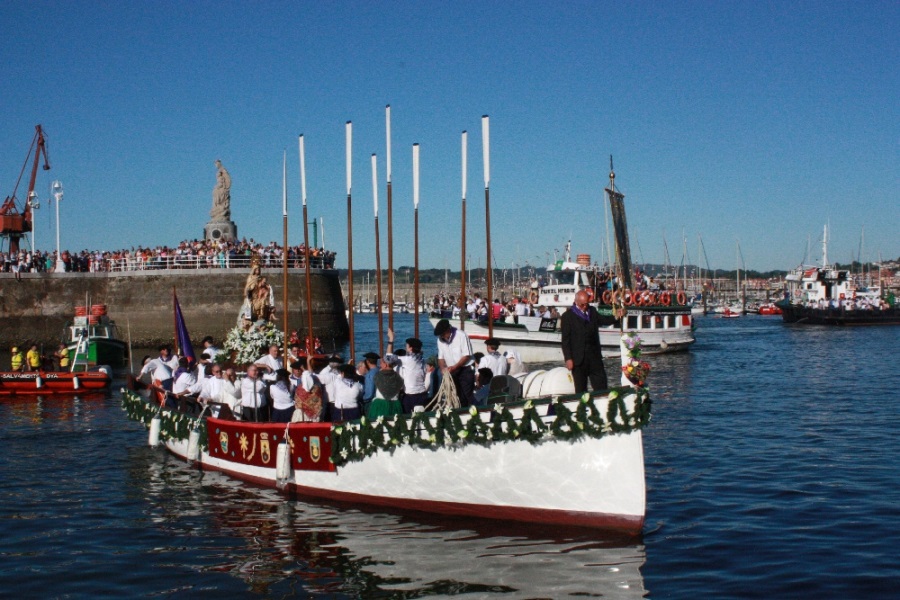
(247, 346)
(636, 371)
(632, 343)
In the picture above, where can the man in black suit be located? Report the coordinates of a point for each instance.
(581, 344)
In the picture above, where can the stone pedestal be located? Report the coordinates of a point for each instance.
(220, 230)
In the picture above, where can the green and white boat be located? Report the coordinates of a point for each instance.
(93, 339)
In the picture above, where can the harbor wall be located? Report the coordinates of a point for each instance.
(38, 307)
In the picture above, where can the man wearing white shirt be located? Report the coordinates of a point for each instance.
(269, 364)
(253, 396)
(455, 359)
(412, 369)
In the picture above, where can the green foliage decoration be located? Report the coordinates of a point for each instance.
(173, 425)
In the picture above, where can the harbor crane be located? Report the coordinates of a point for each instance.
(13, 223)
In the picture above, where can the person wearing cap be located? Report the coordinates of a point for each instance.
(282, 400)
(369, 380)
(388, 389)
(348, 392)
(17, 360)
(412, 370)
(493, 360)
(455, 359)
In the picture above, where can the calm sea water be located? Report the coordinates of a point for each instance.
(771, 472)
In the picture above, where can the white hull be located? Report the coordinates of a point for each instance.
(592, 482)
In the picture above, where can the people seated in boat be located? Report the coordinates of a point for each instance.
(33, 358)
(545, 312)
(254, 406)
(269, 363)
(282, 399)
(493, 360)
(388, 390)
(498, 311)
(347, 396)
(521, 309)
(17, 360)
(483, 385)
(412, 369)
(62, 357)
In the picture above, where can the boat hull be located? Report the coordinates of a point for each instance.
(595, 482)
(802, 315)
(101, 351)
(44, 383)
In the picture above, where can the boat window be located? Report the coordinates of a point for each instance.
(631, 322)
(646, 322)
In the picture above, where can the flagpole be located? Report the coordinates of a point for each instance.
(390, 224)
(416, 237)
(349, 136)
(463, 313)
(309, 322)
(284, 255)
(378, 258)
(486, 157)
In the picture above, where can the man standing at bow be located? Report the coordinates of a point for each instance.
(581, 344)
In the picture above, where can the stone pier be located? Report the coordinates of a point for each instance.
(39, 306)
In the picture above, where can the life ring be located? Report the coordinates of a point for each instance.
(614, 297)
(533, 297)
(590, 294)
(682, 299)
(842, 296)
(629, 298)
(652, 299)
(645, 299)
(665, 298)
(638, 299)
(607, 297)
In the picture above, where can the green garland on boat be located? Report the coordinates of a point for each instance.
(173, 425)
(360, 439)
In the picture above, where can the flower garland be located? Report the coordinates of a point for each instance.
(247, 346)
(358, 440)
(173, 425)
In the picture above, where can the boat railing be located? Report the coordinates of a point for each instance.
(137, 263)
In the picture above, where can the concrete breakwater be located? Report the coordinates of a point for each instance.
(39, 306)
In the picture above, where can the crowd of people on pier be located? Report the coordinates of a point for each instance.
(288, 389)
(188, 254)
(851, 303)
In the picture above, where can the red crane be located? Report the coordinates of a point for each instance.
(14, 224)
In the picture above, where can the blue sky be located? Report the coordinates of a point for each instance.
(751, 123)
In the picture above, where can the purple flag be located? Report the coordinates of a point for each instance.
(182, 337)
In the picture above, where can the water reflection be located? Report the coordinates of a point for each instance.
(35, 410)
(289, 545)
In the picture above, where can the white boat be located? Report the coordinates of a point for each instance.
(663, 320)
(557, 459)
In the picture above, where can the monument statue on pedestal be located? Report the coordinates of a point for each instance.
(220, 225)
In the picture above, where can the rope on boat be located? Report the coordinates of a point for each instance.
(446, 398)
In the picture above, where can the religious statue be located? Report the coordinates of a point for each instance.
(259, 300)
(221, 209)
